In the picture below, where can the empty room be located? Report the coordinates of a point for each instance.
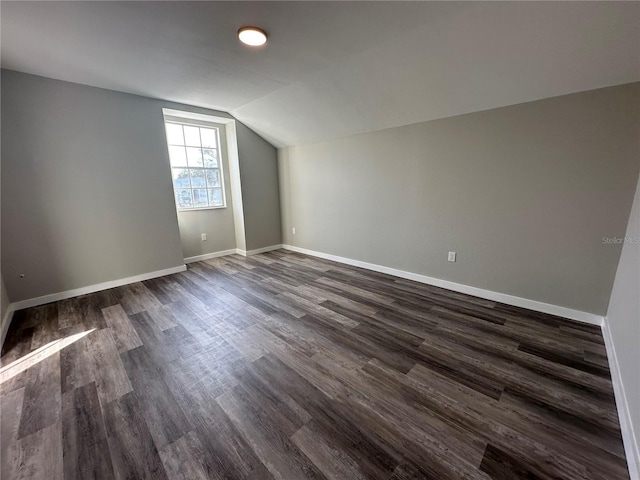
(345, 240)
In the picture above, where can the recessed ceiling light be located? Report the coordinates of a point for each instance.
(252, 36)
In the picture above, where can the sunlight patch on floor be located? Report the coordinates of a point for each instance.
(18, 366)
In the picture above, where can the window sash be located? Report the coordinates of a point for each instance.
(217, 149)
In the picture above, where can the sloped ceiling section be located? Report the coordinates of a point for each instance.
(330, 69)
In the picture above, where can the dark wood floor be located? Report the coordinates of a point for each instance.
(286, 366)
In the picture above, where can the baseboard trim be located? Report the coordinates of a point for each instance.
(207, 256)
(54, 297)
(233, 251)
(564, 312)
(631, 448)
(6, 321)
(270, 248)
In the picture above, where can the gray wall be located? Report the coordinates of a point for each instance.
(260, 194)
(523, 194)
(4, 299)
(624, 314)
(4, 305)
(86, 186)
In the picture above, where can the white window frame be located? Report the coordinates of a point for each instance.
(220, 167)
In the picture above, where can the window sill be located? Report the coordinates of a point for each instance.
(200, 208)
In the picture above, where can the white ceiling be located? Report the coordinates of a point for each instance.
(330, 68)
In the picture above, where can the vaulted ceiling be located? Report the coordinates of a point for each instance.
(329, 69)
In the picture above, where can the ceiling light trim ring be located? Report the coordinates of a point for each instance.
(252, 36)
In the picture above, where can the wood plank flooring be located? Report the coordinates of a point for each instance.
(284, 366)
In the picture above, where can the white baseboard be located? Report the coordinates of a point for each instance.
(54, 297)
(564, 312)
(233, 251)
(629, 438)
(207, 256)
(6, 321)
(270, 248)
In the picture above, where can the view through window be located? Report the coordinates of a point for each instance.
(194, 152)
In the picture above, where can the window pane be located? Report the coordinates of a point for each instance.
(197, 179)
(213, 178)
(209, 137)
(177, 156)
(192, 136)
(195, 165)
(200, 197)
(210, 157)
(215, 196)
(194, 155)
(180, 178)
(183, 198)
(174, 134)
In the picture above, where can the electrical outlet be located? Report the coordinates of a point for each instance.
(293, 230)
(203, 237)
(452, 257)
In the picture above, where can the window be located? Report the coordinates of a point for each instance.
(196, 165)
